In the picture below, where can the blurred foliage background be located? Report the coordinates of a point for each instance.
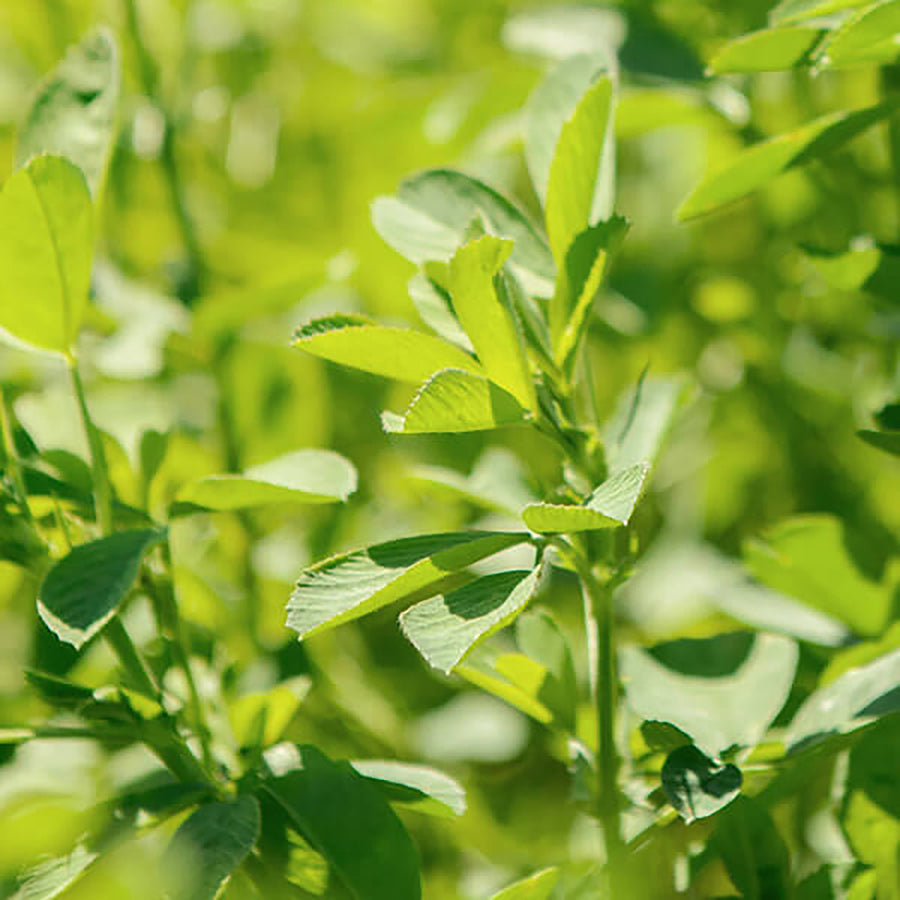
(284, 120)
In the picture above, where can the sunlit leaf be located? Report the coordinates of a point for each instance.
(305, 476)
(520, 683)
(696, 785)
(46, 245)
(798, 10)
(83, 591)
(398, 353)
(420, 788)
(48, 879)
(770, 50)
(74, 112)
(274, 708)
(535, 887)
(452, 401)
(354, 584)
(872, 37)
(445, 628)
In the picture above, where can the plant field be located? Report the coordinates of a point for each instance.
(449, 450)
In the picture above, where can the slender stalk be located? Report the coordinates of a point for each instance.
(13, 466)
(99, 472)
(890, 91)
(131, 660)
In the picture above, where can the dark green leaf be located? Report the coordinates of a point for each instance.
(696, 785)
(883, 440)
(83, 591)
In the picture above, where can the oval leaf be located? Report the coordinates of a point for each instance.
(454, 401)
(74, 112)
(609, 506)
(46, 244)
(305, 476)
(536, 887)
(769, 50)
(445, 628)
(352, 825)
(354, 584)
(696, 785)
(83, 591)
(870, 38)
(429, 218)
(392, 352)
(211, 844)
(421, 788)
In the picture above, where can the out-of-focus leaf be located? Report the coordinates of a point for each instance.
(445, 628)
(875, 837)
(883, 440)
(46, 245)
(276, 708)
(563, 32)
(391, 352)
(430, 215)
(540, 639)
(211, 844)
(83, 591)
(755, 167)
(420, 788)
(888, 417)
(434, 308)
(349, 821)
(849, 701)
(520, 684)
(609, 506)
(642, 110)
(806, 557)
(49, 879)
(798, 10)
(717, 711)
(484, 319)
(770, 50)
(305, 476)
(452, 401)
(753, 851)
(535, 887)
(575, 172)
(73, 114)
(353, 584)
(873, 765)
(696, 785)
(872, 37)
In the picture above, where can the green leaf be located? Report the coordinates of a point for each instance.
(696, 785)
(434, 308)
(769, 50)
(445, 628)
(429, 218)
(391, 352)
(609, 506)
(873, 765)
(849, 701)
(515, 679)
(352, 825)
(46, 245)
(304, 476)
(754, 854)
(798, 10)
(731, 706)
(541, 640)
(882, 440)
(872, 37)
(536, 887)
(421, 788)
(453, 401)
(875, 838)
(83, 591)
(274, 709)
(576, 167)
(351, 585)
(755, 167)
(50, 878)
(74, 112)
(485, 320)
(211, 844)
(806, 557)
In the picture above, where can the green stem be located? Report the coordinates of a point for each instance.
(99, 472)
(890, 90)
(131, 660)
(13, 465)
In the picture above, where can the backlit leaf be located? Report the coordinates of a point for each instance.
(83, 591)
(769, 50)
(46, 245)
(798, 10)
(354, 584)
(419, 788)
(520, 684)
(535, 887)
(872, 37)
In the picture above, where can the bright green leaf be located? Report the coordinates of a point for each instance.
(275, 708)
(305, 476)
(46, 245)
(352, 825)
(536, 887)
(430, 215)
(798, 10)
(696, 785)
(849, 701)
(420, 788)
(354, 584)
(398, 353)
(83, 591)
(755, 167)
(609, 506)
(452, 401)
(541, 640)
(50, 878)
(806, 557)
(576, 167)
(74, 112)
(434, 308)
(733, 708)
(769, 50)
(520, 684)
(445, 628)
(484, 319)
(872, 37)
(211, 844)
